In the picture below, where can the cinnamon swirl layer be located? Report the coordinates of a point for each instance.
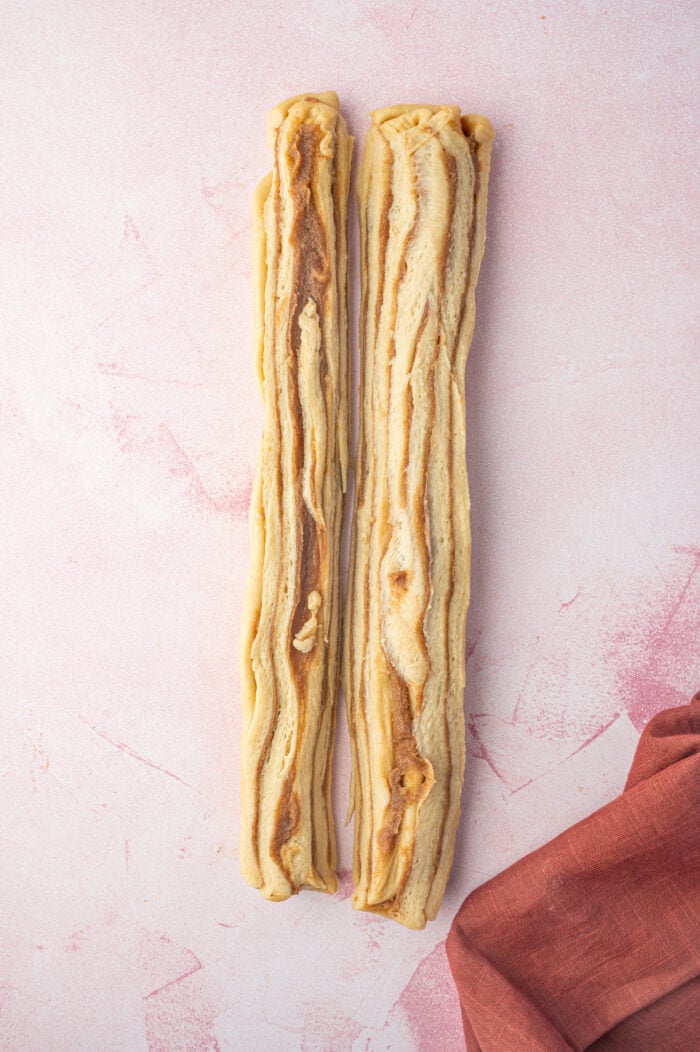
(289, 647)
(422, 205)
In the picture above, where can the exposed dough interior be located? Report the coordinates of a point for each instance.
(422, 205)
(289, 648)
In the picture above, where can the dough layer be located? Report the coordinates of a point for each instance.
(289, 648)
(422, 205)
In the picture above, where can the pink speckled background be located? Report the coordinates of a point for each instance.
(133, 134)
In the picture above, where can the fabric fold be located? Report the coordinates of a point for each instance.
(593, 941)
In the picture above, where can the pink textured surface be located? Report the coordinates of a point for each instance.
(133, 134)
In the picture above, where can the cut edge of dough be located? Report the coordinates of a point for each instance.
(323, 109)
(480, 131)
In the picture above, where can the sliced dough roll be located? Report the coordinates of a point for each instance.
(291, 619)
(422, 203)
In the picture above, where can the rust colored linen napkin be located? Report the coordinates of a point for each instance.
(593, 941)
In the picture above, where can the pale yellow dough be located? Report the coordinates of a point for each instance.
(289, 648)
(422, 206)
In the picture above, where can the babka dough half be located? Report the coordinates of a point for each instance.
(290, 639)
(422, 206)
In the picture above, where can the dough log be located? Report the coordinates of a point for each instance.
(422, 205)
(291, 619)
